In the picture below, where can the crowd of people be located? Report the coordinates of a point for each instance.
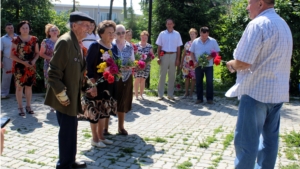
(75, 83)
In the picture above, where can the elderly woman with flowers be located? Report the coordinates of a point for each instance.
(125, 84)
(24, 53)
(188, 65)
(101, 71)
(144, 49)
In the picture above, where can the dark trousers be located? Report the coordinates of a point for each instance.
(67, 140)
(209, 72)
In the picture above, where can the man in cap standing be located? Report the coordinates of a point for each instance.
(65, 72)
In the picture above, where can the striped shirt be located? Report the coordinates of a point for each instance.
(266, 45)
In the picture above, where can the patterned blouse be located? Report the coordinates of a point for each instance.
(49, 46)
(126, 55)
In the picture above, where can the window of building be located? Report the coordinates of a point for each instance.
(86, 12)
(105, 16)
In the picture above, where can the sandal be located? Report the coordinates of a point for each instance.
(105, 132)
(21, 112)
(123, 132)
(28, 110)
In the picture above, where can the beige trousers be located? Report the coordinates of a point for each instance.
(167, 65)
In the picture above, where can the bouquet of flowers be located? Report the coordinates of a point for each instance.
(161, 54)
(135, 48)
(109, 68)
(142, 59)
(216, 57)
(202, 61)
(139, 64)
(148, 58)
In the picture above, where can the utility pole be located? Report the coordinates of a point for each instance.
(125, 9)
(149, 39)
(73, 6)
(110, 9)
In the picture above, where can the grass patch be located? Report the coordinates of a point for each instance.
(87, 135)
(211, 139)
(218, 130)
(112, 160)
(228, 140)
(29, 161)
(128, 150)
(291, 166)
(41, 163)
(154, 76)
(147, 139)
(185, 165)
(289, 153)
(203, 145)
(172, 136)
(185, 139)
(86, 131)
(216, 161)
(292, 139)
(31, 151)
(156, 139)
(208, 141)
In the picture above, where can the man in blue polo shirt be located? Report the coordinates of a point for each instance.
(201, 45)
(6, 62)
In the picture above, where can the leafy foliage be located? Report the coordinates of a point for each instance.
(38, 13)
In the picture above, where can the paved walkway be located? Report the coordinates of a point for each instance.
(163, 134)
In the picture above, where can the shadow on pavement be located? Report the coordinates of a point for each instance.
(292, 114)
(25, 125)
(51, 118)
(124, 152)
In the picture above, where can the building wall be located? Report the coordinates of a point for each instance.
(117, 12)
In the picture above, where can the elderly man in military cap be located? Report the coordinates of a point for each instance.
(65, 72)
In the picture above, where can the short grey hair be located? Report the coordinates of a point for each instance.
(70, 24)
(120, 26)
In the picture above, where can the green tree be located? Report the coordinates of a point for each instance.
(289, 10)
(186, 14)
(38, 14)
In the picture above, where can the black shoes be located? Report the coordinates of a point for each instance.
(78, 164)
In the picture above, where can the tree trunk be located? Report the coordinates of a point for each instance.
(125, 9)
(149, 39)
(73, 6)
(110, 9)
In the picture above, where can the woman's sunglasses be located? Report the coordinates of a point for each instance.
(120, 33)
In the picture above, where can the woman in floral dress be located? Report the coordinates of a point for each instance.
(106, 90)
(25, 52)
(187, 65)
(47, 46)
(141, 75)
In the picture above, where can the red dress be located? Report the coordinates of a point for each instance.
(24, 76)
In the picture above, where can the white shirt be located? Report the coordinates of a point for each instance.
(198, 48)
(169, 41)
(6, 45)
(89, 39)
(267, 45)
